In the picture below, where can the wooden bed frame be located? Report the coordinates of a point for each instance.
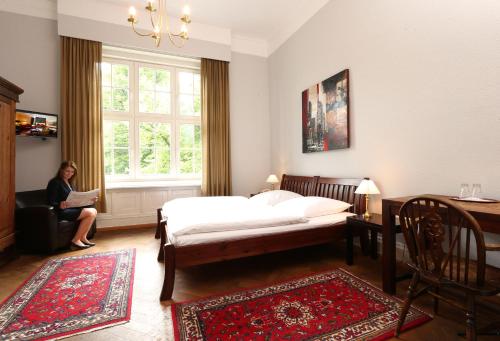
(185, 256)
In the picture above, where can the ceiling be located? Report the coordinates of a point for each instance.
(261, 25)
(260, 19)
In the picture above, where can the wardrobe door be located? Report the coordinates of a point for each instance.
(7, 171)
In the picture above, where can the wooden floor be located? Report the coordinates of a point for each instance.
(148, 314)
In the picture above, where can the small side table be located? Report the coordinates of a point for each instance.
(358, 222)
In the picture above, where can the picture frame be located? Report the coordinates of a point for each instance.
(325, 114)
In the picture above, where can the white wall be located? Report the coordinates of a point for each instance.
(250, 134)
(424, 94)
(424, 91)
(29, 58)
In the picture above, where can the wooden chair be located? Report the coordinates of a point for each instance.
(439, 234)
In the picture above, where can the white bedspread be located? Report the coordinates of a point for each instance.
(200, 204)
(239, 216)
(213, 237)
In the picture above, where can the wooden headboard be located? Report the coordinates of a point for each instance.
(333, 188)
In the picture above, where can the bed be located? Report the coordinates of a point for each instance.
(185, 253)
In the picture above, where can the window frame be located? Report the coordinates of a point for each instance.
(135, 118)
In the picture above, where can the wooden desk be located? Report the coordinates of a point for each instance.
(487, 215)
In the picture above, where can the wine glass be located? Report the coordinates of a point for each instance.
(464, 191)
(476, 190)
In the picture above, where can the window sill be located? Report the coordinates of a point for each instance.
(152, 184)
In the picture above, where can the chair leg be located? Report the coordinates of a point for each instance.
(409, 298)
(470, 323)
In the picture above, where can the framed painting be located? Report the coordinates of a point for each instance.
(325, 114)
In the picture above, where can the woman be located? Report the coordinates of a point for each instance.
(58, 190)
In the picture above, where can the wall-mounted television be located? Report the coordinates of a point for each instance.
(32, 123)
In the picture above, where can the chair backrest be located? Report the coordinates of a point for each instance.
(438, 235)
(31, 198)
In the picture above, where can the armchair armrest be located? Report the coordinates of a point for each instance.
(492, 247)
(36, 226)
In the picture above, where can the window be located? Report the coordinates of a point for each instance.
(152, 116)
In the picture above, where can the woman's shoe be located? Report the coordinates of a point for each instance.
(75, 247)
(89, 244)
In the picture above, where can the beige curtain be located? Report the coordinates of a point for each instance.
(81, 112)
(215, 128)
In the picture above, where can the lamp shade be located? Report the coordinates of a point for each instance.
(272, 179)
(367, 186)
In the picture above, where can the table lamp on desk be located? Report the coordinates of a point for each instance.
(367, 187)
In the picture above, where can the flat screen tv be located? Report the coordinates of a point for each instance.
(32, 123)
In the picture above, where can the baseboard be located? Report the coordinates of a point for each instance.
(126, 227)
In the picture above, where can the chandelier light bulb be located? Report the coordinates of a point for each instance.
(157, 29)
(186, 10)
(184, 28)
(132, 12)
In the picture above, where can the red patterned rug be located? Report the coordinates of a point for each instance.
(69, 296)
(329, 306)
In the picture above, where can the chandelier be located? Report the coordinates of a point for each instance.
(159, 21)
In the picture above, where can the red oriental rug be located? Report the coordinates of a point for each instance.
(69, 296)
(329, 306)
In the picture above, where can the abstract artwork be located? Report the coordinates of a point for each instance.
(325, 114)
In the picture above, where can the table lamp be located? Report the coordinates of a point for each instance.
(367, 187)
(272, 179)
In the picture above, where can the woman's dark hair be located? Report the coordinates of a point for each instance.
(63, 166)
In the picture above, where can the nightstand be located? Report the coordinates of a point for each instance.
(359, 223)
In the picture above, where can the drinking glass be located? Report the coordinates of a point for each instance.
(476, 190)
(464, 191)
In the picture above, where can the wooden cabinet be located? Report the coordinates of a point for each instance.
(9, 95)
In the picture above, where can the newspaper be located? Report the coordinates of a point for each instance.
(79, 199)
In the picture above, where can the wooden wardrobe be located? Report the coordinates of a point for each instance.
(9, 95)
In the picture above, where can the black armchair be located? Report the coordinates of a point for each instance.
(37, 226)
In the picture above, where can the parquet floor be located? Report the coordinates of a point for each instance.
(148, 314)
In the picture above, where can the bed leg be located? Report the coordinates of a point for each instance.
(158, 220)
(163, 240)
(169, 279)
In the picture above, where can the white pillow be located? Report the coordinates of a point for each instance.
(273, 197)
(310, 207)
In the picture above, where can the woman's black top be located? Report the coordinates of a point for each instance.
(57, 191)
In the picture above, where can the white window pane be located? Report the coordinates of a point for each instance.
(107, 130)
(108, 161)
(120, 99)
(197, 84)
(147, 135)
(187, 136)
(190, 149)
(154, 146)
(146, 101)
(116, 147)
(106, 98)
(146, 78)
(197, 162)
(186, 82)
(106, 74)
(163, 163)
(186, 105)
(186, 158)
(162, 103)
(162, 80)
(197, 105)
(147, 161)
(120, 76)
(121, 161)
